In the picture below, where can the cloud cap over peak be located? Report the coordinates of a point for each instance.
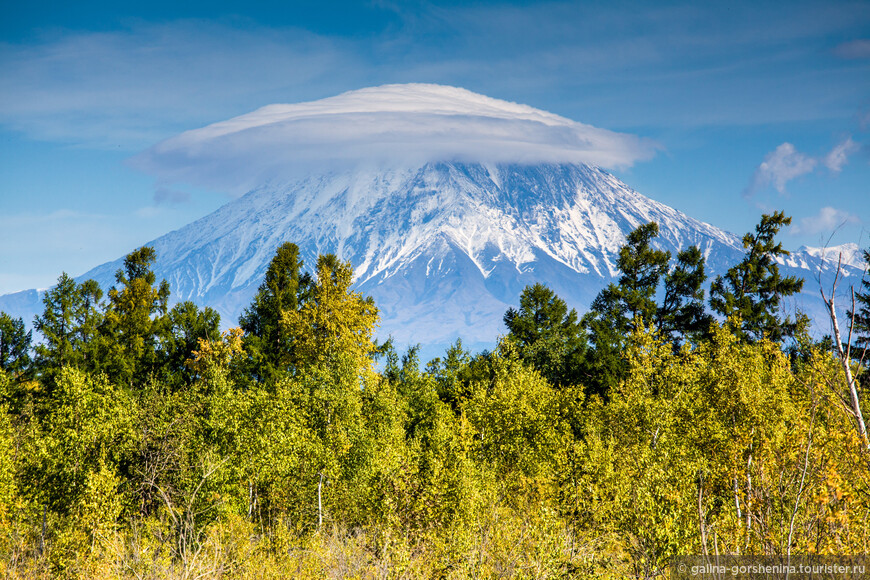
(393, 124)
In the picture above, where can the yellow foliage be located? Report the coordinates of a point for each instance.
(216, 355)
(333, 321)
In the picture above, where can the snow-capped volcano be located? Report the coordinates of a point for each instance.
(447, 203)
(444, 248)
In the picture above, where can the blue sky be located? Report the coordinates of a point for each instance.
(754, 106)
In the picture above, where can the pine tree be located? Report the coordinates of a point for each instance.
(134, 319)
(682, 313)
(642, 268)
(14, 345)
(57, 322)
(185, 326)
(549, 337)
(618, 308)
(68, 325)
(752, 291)
(87, 323)
(283, 289)
(861, 315)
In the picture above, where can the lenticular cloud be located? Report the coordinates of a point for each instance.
(392, 124)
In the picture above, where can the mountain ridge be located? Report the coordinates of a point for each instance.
(444, 248)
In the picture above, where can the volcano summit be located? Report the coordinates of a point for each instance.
(447, 203)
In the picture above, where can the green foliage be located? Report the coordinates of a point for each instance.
(68, 326)
(275, 455)
(717, 448)
(8, 491)
(87, 428)
(642, 267)
(14, 345)
(752, 291)
(430, 482)
(621, 309)
(860, 317)
(133, 319)
(284, 289)
(451, 375)
(222, 461)
(681, 314)
(183, 329)
(549, 336)
(515, 414)
(332, 321)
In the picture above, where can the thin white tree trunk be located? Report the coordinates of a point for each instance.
(844, 356)
(319, 502)
(702, 524)
(748, 501)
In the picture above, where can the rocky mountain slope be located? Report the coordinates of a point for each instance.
(444, 248)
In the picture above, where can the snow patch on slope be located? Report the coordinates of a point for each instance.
(443, 248)
(846, 254)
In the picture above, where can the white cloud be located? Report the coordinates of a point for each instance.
(786, 163)
(827, 220)
(133, 86)
(391, 124)
(779, 167)
(839, 155)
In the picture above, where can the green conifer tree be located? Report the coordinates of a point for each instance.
(14, 345)
(642, 268)
(134, 319)
(185, 326)
(682, 313)
(549, 336)
(752, 291)
(618, 308)
(68, 325)
(283, 289)
(861, 314)
(56, 324)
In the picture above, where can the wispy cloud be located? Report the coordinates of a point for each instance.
(779, 167)
(134, 86)
(786, 163)
(827, 220)
(839, 155)
(392, 124)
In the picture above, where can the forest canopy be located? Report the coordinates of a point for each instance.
(138, 440)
